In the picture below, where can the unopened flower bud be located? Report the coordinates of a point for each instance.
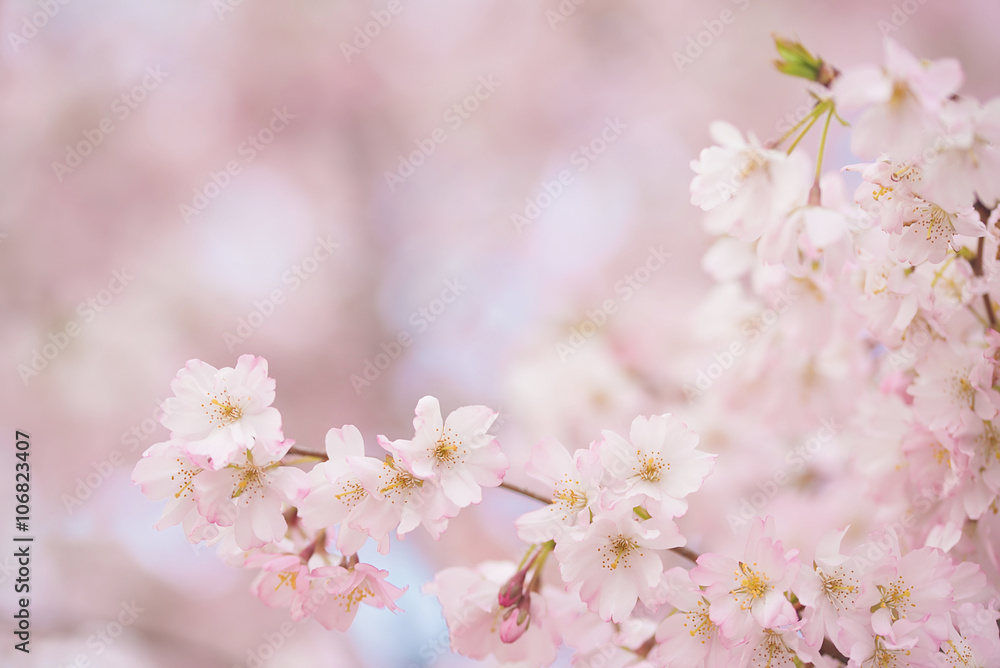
(511, 591)
(516, 620)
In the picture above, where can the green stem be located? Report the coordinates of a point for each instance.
(822, 143)
(816, 110)
(805, 131)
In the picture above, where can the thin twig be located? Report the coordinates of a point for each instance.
(977, 263)
(522, 491)
(306, 453)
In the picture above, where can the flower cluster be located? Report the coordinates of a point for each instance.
(227, 478)
(888, 327)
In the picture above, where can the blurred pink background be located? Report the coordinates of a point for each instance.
(205, 149)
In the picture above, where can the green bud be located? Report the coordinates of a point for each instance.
(796, 61)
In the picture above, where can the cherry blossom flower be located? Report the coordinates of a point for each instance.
(688, 638)
(166, 472)
(871, 649)
(661, 462)
(469, 599)
(749, 591)
(974, 639)
(964, 163)
(457, 454)
(222, 412)
(575, 483)
(944, 389)
(402, 500)
(337, 496)
(828, 590)
(914, 587)
(347, 588)
(902, 98)
(615, 560)
(744, 186)
(249, 494)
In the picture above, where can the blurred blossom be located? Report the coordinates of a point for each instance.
(132, 150)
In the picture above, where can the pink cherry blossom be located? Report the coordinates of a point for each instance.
(222, 412)
(750, 591)
(337, 496)
(166, 472)
(744, 186)
(402, 501)
(661, 463)
(249, 494)
(689, 638)
(615, 561)
(944, 390)
(964, 163)
(347, 588)
(469, 599)
(902, 100)
(456, 454)
(574, 481)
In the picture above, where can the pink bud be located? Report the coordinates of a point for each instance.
(516, 620)
(510, 592)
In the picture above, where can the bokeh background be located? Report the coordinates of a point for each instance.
(145, 106)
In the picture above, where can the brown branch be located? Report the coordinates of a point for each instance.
(306, 453)
(977, 263)
(523, 492)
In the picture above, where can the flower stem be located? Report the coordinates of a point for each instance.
(822, 143)
(520, 490)
(977, 263)
(314, 456)
(806, 129)
(813, 113)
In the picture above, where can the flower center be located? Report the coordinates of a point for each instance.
(353, 491)
(187, 472)
(400, 479)
(835, 590)
(650, 469)
(620, 547)
(700, 623)
(883, 657)
(355, 596)
(224, 412)
(895, 598)
(570, 498)
(287, 578)
(753, 585)
(446, 449)
(251, 478)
